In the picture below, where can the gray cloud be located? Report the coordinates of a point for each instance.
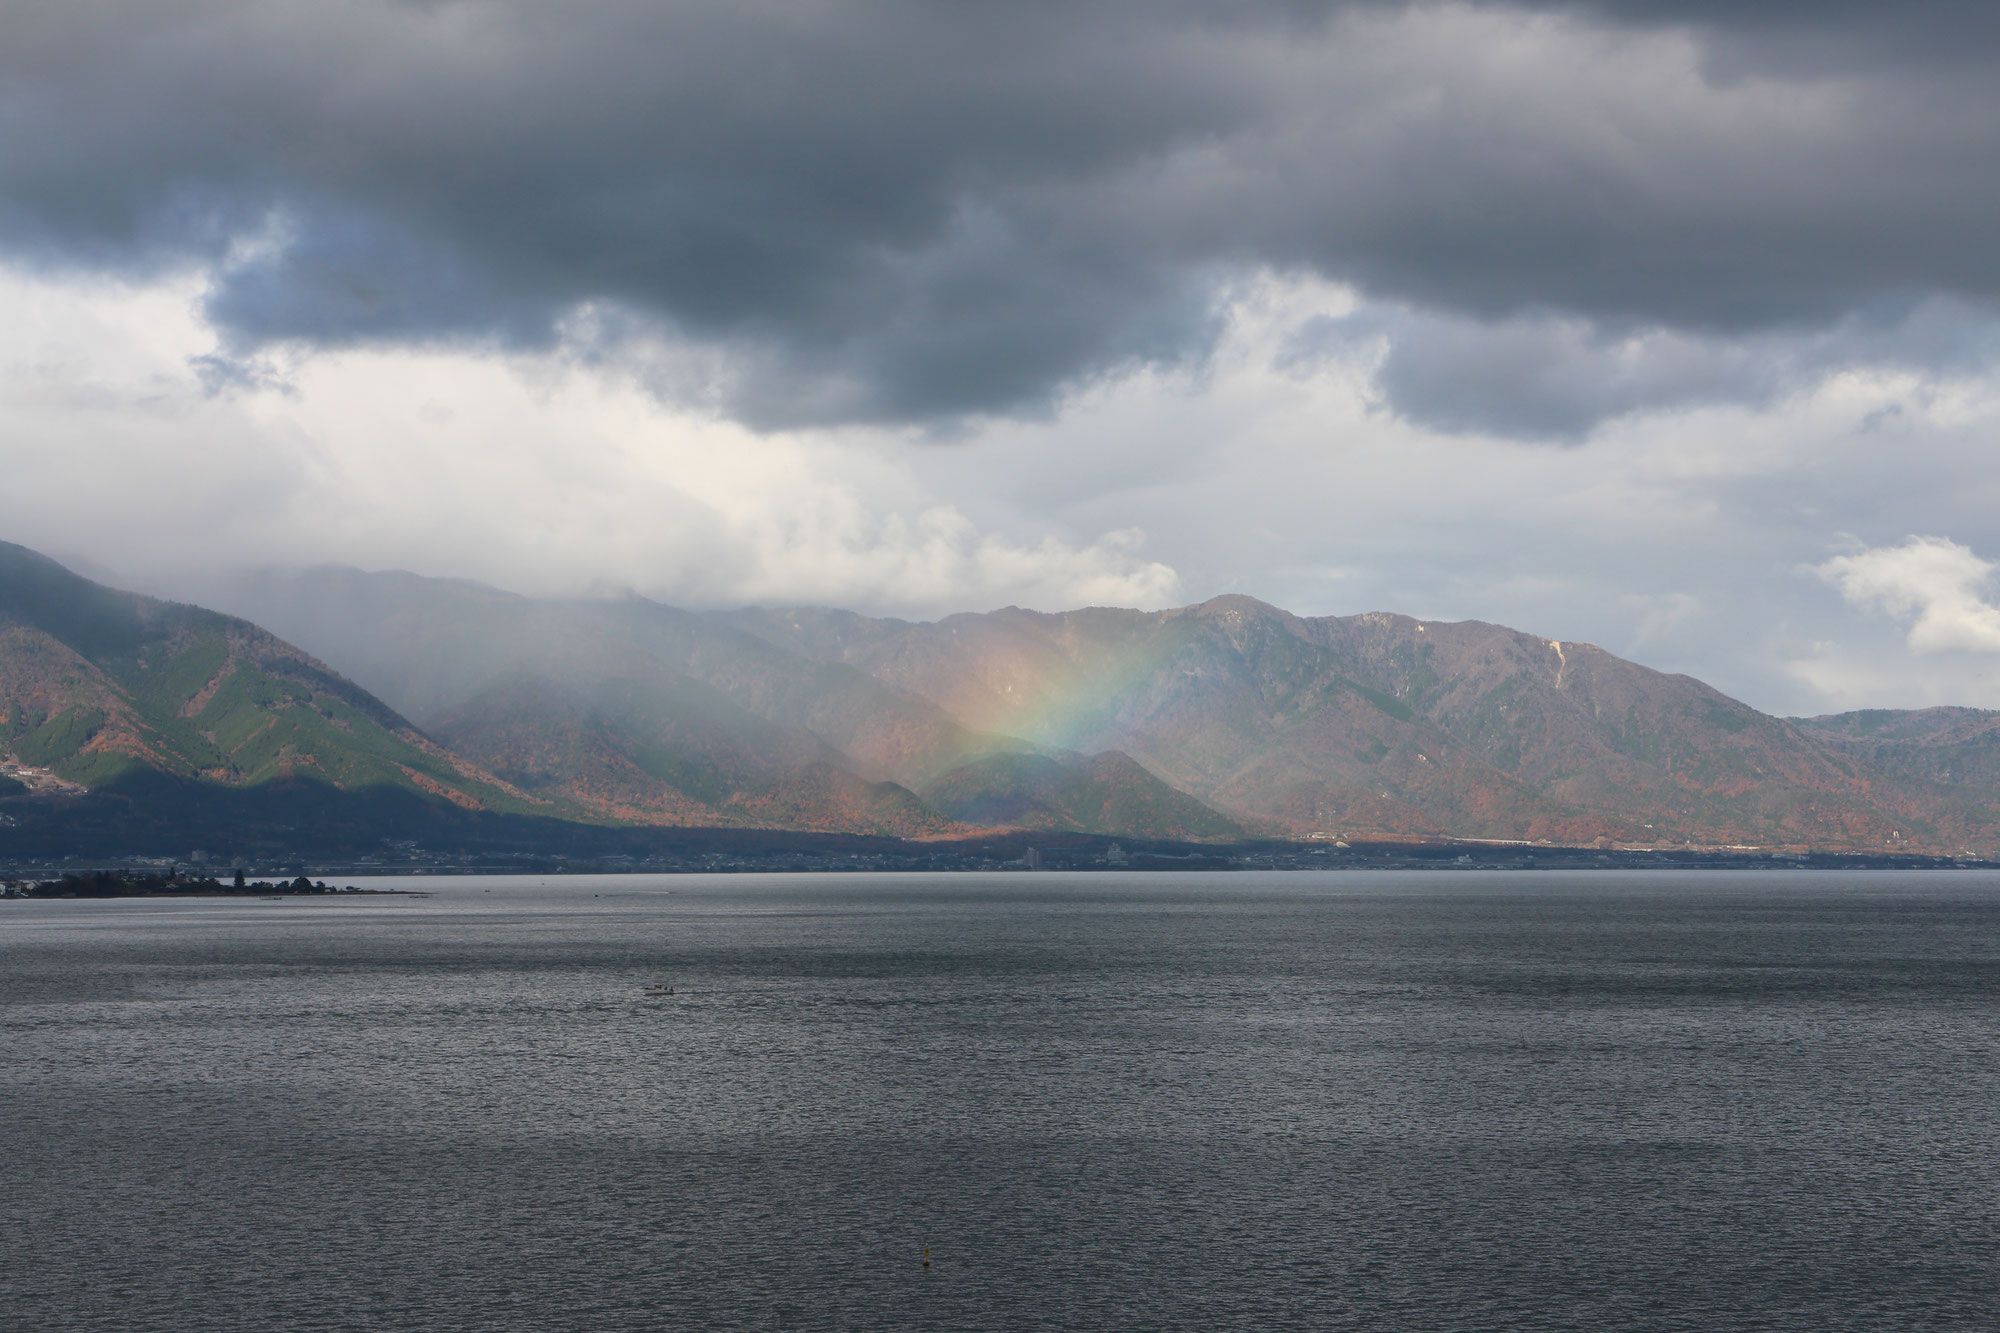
(884, 210)
(1546, 377)
(1816, 33)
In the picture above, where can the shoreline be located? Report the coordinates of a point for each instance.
(44, 882)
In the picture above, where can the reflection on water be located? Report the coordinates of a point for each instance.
(1491, 1101)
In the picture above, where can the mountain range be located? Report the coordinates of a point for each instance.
(392, 702)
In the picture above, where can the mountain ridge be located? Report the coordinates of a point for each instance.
(99, 684)
(1224, 719)
(1398, 726)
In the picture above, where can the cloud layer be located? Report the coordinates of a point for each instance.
(880, 210)
(918, 307)
(534, 472)
(1684, 539)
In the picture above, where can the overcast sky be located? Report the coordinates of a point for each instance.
(1667, 326)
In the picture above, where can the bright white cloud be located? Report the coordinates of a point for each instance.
(1942, 588)
(542, 474)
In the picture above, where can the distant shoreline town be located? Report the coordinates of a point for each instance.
(127, 884)
(839, 856)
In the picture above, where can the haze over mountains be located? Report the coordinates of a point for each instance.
(153, 705)
(1214, 721)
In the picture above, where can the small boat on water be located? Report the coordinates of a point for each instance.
(659, 990)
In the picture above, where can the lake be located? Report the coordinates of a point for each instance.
(1426, 1101)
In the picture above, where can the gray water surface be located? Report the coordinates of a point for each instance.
(1369, 1101)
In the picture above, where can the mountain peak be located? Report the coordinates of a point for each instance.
(1236, 604)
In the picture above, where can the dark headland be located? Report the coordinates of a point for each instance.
(126, 884)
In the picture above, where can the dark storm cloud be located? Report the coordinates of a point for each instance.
(904, 211)
(1806, 32)
(1554, 378)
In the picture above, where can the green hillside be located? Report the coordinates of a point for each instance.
(1105, 793)
(101, 688)
(669, 750)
